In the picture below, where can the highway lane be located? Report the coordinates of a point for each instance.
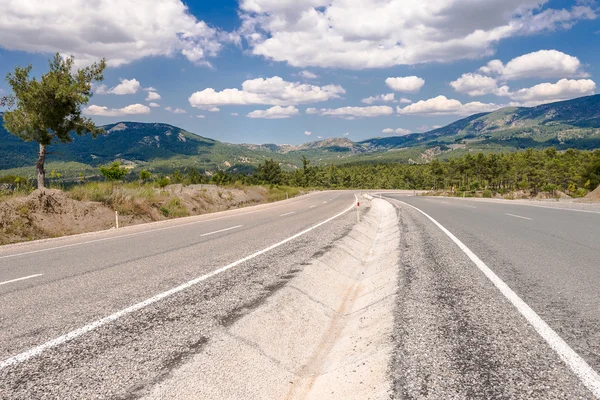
(549, 257)
(91, 276)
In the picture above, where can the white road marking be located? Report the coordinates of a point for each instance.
(292, 212)
(222, 230)
(586, 374)
(137, 233)
(20, 279)
(313, 206)
(325, 202)
(96, 324)
(518, 216)
(464, 205)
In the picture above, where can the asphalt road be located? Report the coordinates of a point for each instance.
(458, 336)
(72, 282)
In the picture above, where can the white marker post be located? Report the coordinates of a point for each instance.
(357, 211)
(117, 219)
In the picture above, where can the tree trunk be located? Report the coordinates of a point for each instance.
(41, 173)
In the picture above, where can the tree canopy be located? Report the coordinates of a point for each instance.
(50, 108)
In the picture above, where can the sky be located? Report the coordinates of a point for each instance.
(293, 71)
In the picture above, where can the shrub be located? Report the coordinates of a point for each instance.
(487, 193)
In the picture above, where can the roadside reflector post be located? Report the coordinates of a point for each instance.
(357, 211)
(117, 219)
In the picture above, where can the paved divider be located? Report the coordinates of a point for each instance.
(326, 335)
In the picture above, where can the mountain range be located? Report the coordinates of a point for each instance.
(162, 147)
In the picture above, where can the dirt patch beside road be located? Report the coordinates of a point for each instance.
(51, 213)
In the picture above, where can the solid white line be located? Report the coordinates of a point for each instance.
(20, 279)
(222, 230)
(292, 212)
(586, 374)
(138, 233)
(313, 206)
(518, 216)
(96, 324)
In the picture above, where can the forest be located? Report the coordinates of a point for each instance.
(574, 172)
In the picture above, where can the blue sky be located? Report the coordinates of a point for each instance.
(289, 71)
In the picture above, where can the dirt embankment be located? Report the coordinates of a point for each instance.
(594, 195)
(51, 213)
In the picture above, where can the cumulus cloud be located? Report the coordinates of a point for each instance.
(353, 112)
(133, 109)
(275, 112)
(404, 100)
(398, 131)
(175, 110)
(270, 91)
(539, 64)
(307, 133)
(152, 96)
(324, 33)
(121, 31)
(478, 85)
(347, 133)
(200, 116)
(308, 75)
(381, 98)
(154, 105)
(410, 84)
(127, 86)
(441, 105)
(234, 114)
(561, 90)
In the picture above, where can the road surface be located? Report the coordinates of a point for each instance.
(112, 314)
(51, 288)
(549, 257)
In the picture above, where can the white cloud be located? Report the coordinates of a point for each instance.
(127, 86)
(152, 96)
(179, 111)
(326, 33)
(308, 75)
(319, 137)
(436, 127)
(121, 31)
(404, 100)
(399, 131)
(209, 108)
(410, 84)
(169, 108)
(150, 89)
(561, 90)
(381, 98)
(347, 133)
(133, 109)
(539, 64)
(478, 85)
(270, 91)
(441, 105)
(307, 133)
(353, 112)
(235, 114)
(276, 112)
(154, 105)
(200, 116)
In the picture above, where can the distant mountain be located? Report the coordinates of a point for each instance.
(162, 147)
(572, 123)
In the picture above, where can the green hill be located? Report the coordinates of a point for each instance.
(162, 147)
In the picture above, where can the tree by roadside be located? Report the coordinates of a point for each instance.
(50, 108)
(113, 172)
